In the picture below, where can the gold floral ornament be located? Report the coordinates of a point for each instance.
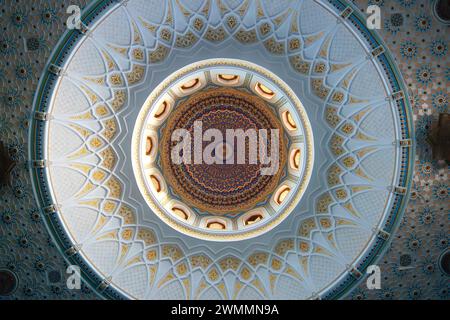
(241, 93)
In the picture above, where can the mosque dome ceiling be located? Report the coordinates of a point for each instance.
(144, 227)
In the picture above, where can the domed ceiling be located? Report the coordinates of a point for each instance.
(143, 227)
(135, 218)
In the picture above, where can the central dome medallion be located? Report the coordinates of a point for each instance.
(221, 188)
(222, 150)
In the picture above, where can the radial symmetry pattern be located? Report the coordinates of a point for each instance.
(223, 94)
(144, 227)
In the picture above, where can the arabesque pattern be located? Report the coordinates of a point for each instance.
(351, 91)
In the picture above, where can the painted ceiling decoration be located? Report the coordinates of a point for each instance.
(89, 181)
(222, 201)
(117, 206)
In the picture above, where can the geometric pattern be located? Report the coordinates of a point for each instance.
(234, 222)
(357, 106)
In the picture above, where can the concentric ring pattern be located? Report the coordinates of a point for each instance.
(89, 101)
(220, 201)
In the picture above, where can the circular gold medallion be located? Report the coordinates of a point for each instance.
(227, 186)
(222, 150)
